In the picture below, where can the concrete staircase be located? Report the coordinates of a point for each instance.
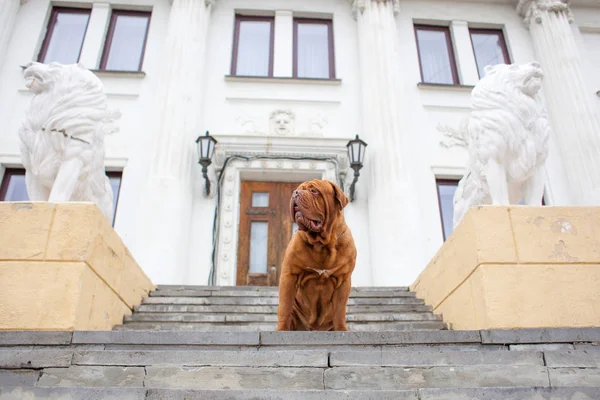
(253, 309)
(209, 343)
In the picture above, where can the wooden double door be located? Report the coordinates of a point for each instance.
(265, 230)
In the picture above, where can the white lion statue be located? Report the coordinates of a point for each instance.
(507, 139)
(62, 137)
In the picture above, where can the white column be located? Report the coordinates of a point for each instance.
(395, 234)
(168, 192)
(284, 44)
(570, 101)
(463, 49)
(95, 36)
(8, 15)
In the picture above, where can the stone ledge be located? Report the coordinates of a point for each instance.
(517, 267)
(63, 267)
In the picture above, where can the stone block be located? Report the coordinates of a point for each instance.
(517, 267)
(56, 296)
(18, 377)
(10, 358)
(430, 359)
(174, 394)
(72, 393)
(541, 335)
(63, 267)
(569, 377)
(541, 347)
(166, 338)
(368, 338)
(24, 338)
(244, 358)
(24, 229)
(92, 376)
(80, 232)
(374, 378)
(233, 378)
(515, 393)
(573, 358)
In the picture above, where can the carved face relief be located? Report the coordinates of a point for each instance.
(282, 122)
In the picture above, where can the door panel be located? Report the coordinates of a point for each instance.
(264, 231)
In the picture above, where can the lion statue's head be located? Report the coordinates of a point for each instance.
(508, 84)
(69, 98)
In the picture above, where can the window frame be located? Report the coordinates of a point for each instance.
(52, 23)
(236, 41)
(330, 45)
(449, 44)
(500, 33)
(111, 31)
(443, 181)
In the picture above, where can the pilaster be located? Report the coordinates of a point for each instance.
(570, 101)
(169, 188)
(8, 15)
(391, 190)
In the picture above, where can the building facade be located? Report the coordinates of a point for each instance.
(283, 86)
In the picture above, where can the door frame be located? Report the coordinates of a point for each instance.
(229, 218)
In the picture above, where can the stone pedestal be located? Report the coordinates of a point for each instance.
(570, 100)
(517, 267)
(8, 14)
(388, 155)
(63, 267)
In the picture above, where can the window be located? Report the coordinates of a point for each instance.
(114, 178)
(64, 36)
(489, 48)
(125, 41)
(435, 55)
(313, 49)
(253, 46)
(445, 190)
(13, 187)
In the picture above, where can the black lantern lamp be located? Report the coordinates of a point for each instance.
(206, 148)
(356, 154)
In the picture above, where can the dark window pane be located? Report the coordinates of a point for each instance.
(13, 186)
(126, 41)
(446, 191)
(489, 49)
(254, 48)
(65, 35)
(437, 66)
(313, 50)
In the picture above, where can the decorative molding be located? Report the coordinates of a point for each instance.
(532, 9)
(282, 122)
(285, 163)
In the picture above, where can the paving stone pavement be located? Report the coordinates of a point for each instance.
(429, 364)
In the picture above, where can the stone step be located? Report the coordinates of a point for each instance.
(272, 309)
(140, 393)
(225, 317)
(265, 327)
(274, 288)
(268, 293)
(294, 378)
(256, 301)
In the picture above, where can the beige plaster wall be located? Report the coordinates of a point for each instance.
(62, 266)
(518, 267)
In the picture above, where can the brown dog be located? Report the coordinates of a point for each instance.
(315, 278)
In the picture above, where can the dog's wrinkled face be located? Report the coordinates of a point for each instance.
(315, 203)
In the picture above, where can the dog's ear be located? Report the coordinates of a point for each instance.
(339, 195)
